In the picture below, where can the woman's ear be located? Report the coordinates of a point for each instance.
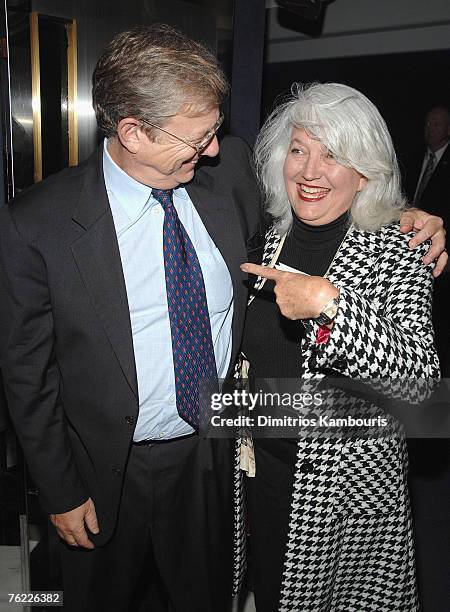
(362, 183)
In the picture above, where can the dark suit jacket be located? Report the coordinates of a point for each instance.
(4, 421)
(436, 195)
(68, 361)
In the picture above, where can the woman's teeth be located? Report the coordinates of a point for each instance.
(313, 193)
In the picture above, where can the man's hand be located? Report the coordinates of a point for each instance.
(71, 525)
(427, 226)
(298, 296)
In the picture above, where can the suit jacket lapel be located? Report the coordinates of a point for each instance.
(358, 250)
(97, 256)
(273, 243)
(442, 166)
(217, 211)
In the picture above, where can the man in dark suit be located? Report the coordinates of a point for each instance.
(432, 193)
(87, 335)
(429, 459)
(108, 271)
(432, 178)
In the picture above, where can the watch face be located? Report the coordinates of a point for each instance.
(328, 313)
(331, 311)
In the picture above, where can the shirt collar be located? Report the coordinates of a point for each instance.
(131, 195)
(439, 152)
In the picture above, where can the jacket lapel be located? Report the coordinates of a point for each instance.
(353, 263)
(218, 214)
(273, 243)
(442, 167)
(97, 256)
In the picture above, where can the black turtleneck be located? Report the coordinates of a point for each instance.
(271, 342)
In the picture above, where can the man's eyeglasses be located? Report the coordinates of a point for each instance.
(198, 146)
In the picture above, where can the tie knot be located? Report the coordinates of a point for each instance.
(164, 197)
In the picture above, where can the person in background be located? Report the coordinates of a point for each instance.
(432, 193)
(329, 516)
(429, 187)
(432, 187)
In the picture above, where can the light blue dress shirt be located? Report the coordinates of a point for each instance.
(138, 220)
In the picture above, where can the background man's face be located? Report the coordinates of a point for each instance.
(437, 128)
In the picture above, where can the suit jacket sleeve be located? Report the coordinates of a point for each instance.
(30, 370)
(3, 409)
(388, 335)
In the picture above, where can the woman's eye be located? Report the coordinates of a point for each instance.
(330, 154)
(297, 151)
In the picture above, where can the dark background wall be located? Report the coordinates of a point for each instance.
(99, 20)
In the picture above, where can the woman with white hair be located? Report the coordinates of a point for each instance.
(329, 517)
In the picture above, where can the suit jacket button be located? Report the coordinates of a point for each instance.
(307, 467)
(129, 420)
(117, 472)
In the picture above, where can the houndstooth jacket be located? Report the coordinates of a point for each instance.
(350, 544)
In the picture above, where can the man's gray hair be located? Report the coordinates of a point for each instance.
(152, 73)
(352, 129)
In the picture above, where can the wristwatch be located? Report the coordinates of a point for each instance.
(329, 312)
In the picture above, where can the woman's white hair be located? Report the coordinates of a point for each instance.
(352, 129)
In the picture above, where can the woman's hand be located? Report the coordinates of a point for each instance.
(427, 226)
(298, 296)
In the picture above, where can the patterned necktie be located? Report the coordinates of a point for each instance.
(192, 347)
(425, 176)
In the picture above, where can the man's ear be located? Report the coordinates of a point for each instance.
(130, 134)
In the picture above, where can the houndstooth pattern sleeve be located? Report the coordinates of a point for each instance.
(383, 327)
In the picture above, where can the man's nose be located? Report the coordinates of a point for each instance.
(212, 148)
